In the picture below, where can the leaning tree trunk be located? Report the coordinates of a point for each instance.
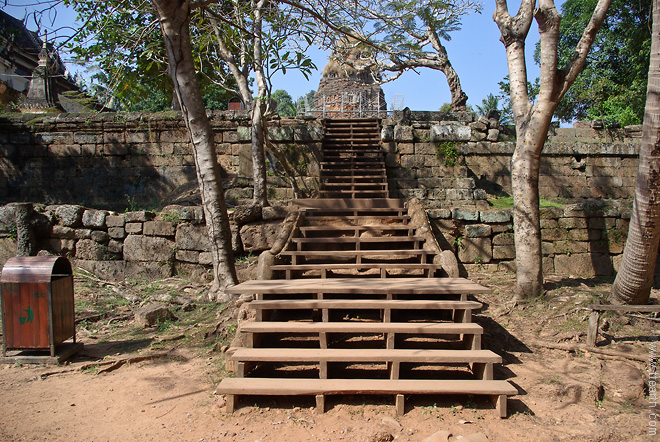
(259, 108)
(635, 277)
(458, 97)
(174, 22)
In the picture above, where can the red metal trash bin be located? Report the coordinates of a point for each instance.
(37, 303)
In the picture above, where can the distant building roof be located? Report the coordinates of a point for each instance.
(19, 56)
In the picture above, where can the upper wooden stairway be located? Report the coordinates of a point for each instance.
(353, 165)
(360, 309)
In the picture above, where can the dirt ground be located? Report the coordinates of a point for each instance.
(136, 383)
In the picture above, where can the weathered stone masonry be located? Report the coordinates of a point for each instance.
(581, 239)
(118, 160)
(577, 162)
(139, 244)
(114, 161)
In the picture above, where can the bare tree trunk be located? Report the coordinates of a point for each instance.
(256, 106)
(25, 237)
(458, 97)
(533, 120)
(174, 22)
(635, 277)
(260, 196)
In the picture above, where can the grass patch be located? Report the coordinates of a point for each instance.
(506, 202)
(553, 380)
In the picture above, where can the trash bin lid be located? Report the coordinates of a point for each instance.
(35, 268)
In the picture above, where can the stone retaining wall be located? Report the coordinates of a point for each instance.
(138, 244)
(452, 159)
(583, 239)
(114, 161)
(137, 160)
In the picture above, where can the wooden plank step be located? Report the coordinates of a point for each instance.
(359, 304)
(356, 161)
(302, 386)
(376, 214)
(352, 148)
(413, 286)
(340, 171)
(347, 180)
(364, 253)
(358, 239)
(365, 355)
(353, 184)
(347, 203)
(233, 387)
(325, 267)
(355, 210)
(353, 174)
(412, 328)
(367, 173)
(338, 193)
(359, 228)
(352, 194)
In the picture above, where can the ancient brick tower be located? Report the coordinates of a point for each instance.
(349, 86)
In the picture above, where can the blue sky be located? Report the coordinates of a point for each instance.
(475, 52)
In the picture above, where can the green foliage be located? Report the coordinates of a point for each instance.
(612, 86)
(285, 105)
(492, 102)
(121, 39)
(448, 151)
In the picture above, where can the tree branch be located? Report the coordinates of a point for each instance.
(582, 49)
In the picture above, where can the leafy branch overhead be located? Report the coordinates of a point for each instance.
(396, 36)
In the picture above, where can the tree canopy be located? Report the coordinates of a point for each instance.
(612, 86)
(119, 42)
(285, 105)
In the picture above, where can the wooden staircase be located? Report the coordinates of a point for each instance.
(356, 238)
(359, 309)
(353, 165)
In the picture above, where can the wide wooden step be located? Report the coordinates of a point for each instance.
(460, 311)
(368, 241)
(364, 304)
(367, 254)
(365, 173)
(353, 194)
(365, 355)
(327, 269)
(354, 179)
(356, 327)
(308, 231)
(370, 218)
(355, 211)
(407, 286)
(357, 162)
(347, 203)
(233, 387)
(480, 362)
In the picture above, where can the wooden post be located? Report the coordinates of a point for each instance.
(592, 331)
(400, 405)
(230, 400)
(320, 403)
(395, 368)
(500, 404)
